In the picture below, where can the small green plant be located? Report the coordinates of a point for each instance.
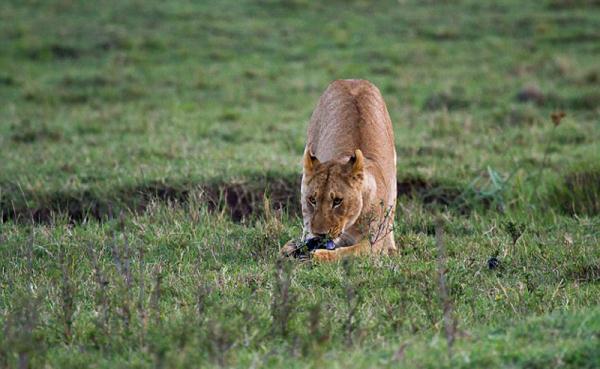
(21, 344)
(67, 294)
(488, 188)
(448, 317)
(514, 230)
(353, 301)
(283, 298)
(319, 333)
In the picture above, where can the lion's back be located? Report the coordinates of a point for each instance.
(350, 115)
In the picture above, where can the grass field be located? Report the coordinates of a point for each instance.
(150, 167)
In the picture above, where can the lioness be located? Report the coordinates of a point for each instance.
(348, 190)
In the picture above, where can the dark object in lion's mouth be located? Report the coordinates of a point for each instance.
(304, 248)
(320, 243)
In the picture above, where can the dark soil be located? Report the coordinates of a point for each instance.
(240, 200)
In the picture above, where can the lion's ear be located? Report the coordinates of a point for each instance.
(357, 161)
(310, 162)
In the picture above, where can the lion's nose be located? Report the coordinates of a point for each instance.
(318, 231)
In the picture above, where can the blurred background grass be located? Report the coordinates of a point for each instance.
(101, 99)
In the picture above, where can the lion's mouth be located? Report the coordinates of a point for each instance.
(335, 234)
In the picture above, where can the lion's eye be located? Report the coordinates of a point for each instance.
(312, 200)
(337, 202)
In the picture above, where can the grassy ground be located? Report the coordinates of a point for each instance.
(140, 137)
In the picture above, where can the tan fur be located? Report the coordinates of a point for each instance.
(350, 155)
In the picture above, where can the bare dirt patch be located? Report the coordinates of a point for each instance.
(579, 191)
(585, 274)
(240, 200)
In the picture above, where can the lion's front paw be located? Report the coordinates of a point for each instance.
(324, 255)
(288, 249)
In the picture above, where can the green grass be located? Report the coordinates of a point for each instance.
(151, 131)
(219, 289)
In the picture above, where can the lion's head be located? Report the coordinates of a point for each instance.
(331, 194)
